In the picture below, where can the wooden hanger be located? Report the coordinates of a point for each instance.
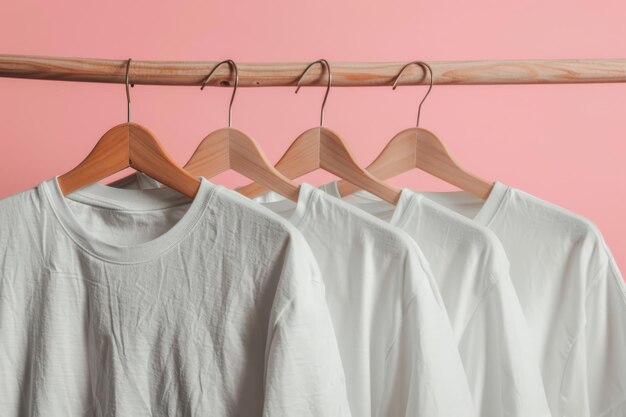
(419, 148)
(230, 148)
(129, 145)
(320, 147)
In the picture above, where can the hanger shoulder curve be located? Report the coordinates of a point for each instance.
(148, 155)
(128, 145)
(302, 156)
(320, 147)
(211, 157)
(336, 157)
(230, 148)
(433, 156)
(108, 156)
(420, 148)
(299, 159)
(248, 159)
(397, 157)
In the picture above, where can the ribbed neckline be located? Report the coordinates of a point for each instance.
(129, 201)
(407, 200)
(485, 215)
(282, 204)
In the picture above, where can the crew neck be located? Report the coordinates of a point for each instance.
(454, 200)
(292, 211)
(361, 199)
(129, 201)
(487, 208)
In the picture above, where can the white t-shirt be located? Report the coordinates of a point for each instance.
(145, 303)
(572, 293)
(396, 343)
(472, 273)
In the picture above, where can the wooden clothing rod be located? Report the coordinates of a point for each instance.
(345, 74)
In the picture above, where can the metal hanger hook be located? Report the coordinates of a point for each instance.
(233, 68)
(127, 91)
(425, 66)
(325, 64)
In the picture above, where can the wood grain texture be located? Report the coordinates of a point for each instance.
(230, 148)
(345, 74)
(146, 154)
(419, 148)
(129, 145)
(320, 147)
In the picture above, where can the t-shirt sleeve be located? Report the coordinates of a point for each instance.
(424, 374)
(498, 356)
(604, 337)
(303, 374)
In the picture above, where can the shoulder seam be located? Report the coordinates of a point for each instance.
(483, 297)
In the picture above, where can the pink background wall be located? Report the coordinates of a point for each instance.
(564, 143)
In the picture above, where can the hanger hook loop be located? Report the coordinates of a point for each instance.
(325, 64)
(424, 66)
(233, 67)
(127, 91)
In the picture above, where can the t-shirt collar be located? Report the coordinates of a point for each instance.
(294, 212)
(485, 215)
(407, 200)
(99, 195)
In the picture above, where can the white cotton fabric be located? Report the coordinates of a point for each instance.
(572, 294)
(395, 339)
(472, 273)
(396, 343)
(145, 303)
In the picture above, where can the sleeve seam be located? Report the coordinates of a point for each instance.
(594, 280)
(568, 361)
(487, 291)
(288, 305)
(583, 327)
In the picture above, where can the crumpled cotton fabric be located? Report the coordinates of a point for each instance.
(472, 274)
(143, 303)
(572, 294)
